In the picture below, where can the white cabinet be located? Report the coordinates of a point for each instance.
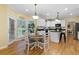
(54, 36)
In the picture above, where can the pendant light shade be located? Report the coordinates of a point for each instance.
(57, 18)
(35, 17)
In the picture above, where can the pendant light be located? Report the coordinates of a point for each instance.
(57, 18)
(35, 16)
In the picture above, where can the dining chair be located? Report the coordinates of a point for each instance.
(43, 42)
(29, 42)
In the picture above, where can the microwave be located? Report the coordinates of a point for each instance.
(58, 25)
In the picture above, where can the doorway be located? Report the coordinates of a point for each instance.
(11, 30)
(21, 28)
(71, 28)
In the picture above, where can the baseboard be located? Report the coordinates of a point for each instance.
(9, 44)
(3, 47)
(15, 41)
(12, 42)
(19, 39)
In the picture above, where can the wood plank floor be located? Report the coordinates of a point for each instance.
(70, 48)
(19, 48)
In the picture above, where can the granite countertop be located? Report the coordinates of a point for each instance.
(54, 31)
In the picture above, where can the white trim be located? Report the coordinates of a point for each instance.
(20, 39)
(3, 47)
(11, 42)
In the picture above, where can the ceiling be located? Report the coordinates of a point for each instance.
(47, 10)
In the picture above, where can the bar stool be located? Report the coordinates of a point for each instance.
(62, 34)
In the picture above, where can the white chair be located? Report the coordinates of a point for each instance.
(44, 43)
(29, 42)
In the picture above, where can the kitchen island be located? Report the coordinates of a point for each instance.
(54, 36)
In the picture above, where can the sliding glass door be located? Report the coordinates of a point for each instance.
(31, 27)
(11, 30)
(21, 28)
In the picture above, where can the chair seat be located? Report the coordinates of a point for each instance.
(31, 40)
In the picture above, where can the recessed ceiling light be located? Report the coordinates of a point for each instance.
(66, 9)
(26, 9)
(70, 13)
(59, 9)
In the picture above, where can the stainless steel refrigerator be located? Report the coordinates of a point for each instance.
(76, 31)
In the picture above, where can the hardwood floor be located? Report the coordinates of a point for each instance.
(70, 48)
(19, 48)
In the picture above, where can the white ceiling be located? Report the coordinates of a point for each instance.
(47, 10)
